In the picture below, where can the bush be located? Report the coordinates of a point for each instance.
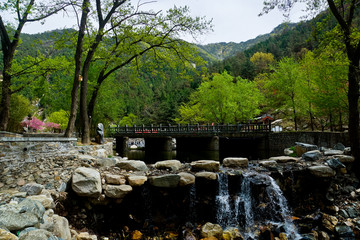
(61, 117)
(20, 107)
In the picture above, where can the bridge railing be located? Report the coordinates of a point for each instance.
(190, 129)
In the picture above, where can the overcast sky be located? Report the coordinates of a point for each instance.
(233, 20)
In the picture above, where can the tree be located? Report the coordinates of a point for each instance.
(222, 99)
(344, 12)
(25, 11)
(262, 61)
(123, 35)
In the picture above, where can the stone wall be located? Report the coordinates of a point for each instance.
(48, 161)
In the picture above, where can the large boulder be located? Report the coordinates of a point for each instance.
(211, 230)
(345, 158)
(132, 165)
(312, 155)
(302, 148)
(172, 165)
(165, 181)
(117, 191)
(136, 181)
(86, 182)
(5, 235)
(233, 162)
(205, 165)
(186, 179)
(283, 159)
(322, 171)
(207, 175)
(61, 227)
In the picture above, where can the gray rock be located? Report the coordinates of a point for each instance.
(165, 181)
(233, 162)
(114, 179)
(105, 162)
(136, 181)
(211, 230)
(322, 171)
(117, 191)
(207, 175)
(312, 155)
(37, 234)
(344, 231)
(205, 165)
(288, 151)
(302, 148)
(339, 146)
(186, 179)
(86, 182)
(268, 163)
(46, 201)
(334, 163)
(352, 212)
(345, 158)
(283, 159)
(32, 188)
(331, 152)
(172, 165)
(132, 165)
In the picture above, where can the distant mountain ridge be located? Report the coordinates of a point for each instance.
(222, 50)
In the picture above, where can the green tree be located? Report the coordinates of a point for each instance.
(20, 108)
(349, 31)
(223, 99)
(60, 117)
(262, 61)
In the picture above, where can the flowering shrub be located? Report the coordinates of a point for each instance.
(33, 123)
(50, 126)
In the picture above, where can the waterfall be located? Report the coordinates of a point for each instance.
(245, 212)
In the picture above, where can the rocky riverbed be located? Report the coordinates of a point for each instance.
(81, 194)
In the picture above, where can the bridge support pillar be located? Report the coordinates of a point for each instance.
(158, 144)
(198, 143)
(122, 145)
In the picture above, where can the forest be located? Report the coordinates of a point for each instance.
(130, 67)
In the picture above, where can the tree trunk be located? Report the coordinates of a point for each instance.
(84, 118)
(5, 102)
(77, 77)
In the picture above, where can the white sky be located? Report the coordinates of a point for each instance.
(233, 20)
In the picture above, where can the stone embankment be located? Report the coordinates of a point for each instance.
(319, 183)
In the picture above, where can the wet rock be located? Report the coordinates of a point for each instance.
(207, 175)
(283, 159)
(136, 181)
(205, 165)
(268, 163)
(136, 235)
(166, 181)
(322, 171)
(334, 163)
(345, 158)
(114, 179)
(352, 212)
(329, 222)
(339, 146)
(211, 230)
(345, 232)
(302, 148)
(172, 165)
(323, 236)
(86, 182)
(186, 179)
(132, 165)
(232, 162)
(32, 188)
(5, 235)
(312, 155)
(117, 191)
(232, 234)
(85, 236)
(331, 152)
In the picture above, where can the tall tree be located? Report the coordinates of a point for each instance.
(124, 34)
(24, 11)
(345, 13)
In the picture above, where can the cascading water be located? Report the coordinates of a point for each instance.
(245, 212)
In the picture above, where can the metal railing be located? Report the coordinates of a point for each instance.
(190, 129)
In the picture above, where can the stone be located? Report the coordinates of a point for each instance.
(104, 161)
(37, 234)
(331, 152)
(172, 165)
(339, 146)
(283, 159)
(288, 152)
(323, 236)
(207, 175)
(329, 222)
(136, 181)
(211, 230)
(186, 179)
(136, 235)
(32, 188)
(114, 179)
(46, 201)
(233, 162)
(322, 171)
(132, 165)
(86, 182)
(345, 232)
(267, 163)
(231, 234)
(117, 191)
(345, 158)
(5, 235)
(312, 155)
(334, 163)
(99, 138)
(165, 181)
(101, 153)
(85, 236)
(205, 165)
(302, 148)
(61, 227)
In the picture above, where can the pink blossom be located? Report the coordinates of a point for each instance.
(33, 123)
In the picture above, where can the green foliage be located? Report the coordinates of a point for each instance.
(20, 107)
(129, 120)
(61, 117)
(222, 99)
